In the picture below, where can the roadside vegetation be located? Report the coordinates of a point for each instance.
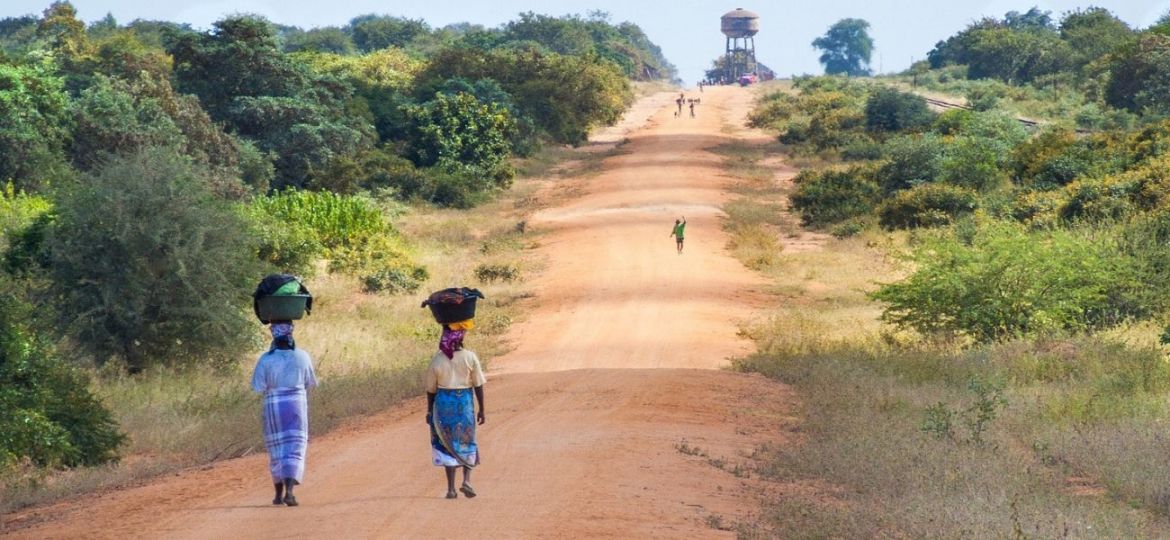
(152, 174)
(980, 345)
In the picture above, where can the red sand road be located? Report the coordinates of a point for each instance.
(615, 368)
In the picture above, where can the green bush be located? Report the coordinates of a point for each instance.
(1005, 282)
(147, 265)
(395, 280)
(49, 415)
(832, 196)
(847, 229)
(1104, 199)
(928, 205)
(890, 110)
(288, 246)
(953, 121)
(1036, 208)
(911, 160)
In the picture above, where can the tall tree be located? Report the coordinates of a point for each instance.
(846, 48)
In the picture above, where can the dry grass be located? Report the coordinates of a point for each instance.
(1077, 451)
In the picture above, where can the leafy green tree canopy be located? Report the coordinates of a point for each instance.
(147, 265)
(846, 48)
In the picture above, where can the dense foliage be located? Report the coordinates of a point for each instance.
(49, 415)
(148, 266)
(1025, 227)
(152, 172)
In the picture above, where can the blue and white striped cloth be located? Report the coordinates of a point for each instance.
(286, 432)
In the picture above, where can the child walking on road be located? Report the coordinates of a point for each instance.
(680, 227)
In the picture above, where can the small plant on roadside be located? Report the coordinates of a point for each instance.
(491, 273)
(988, 401)
(940, 419)
(685, 447)
(395, 280)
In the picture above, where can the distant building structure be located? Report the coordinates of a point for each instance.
(740, 27)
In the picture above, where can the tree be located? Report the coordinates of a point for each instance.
(373, 32)
(50, 416)
(34, 126)
(1015, 56)
(329, 40)
(1092, 33)
(565, 95)
(64, 32)
(846, 48)
(1140, 76)
(147, 265)
(243, 79)
(457, 132)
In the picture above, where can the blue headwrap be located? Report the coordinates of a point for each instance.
(282, 337)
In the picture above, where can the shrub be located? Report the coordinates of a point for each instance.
(928, 205)
(953, 121)
(287, 246)
(1005, 282)
(50, 417)
(148, 266)
(490, 273)
(974, 163)
(1099, 199)
(396, 280)
(911, 160)
(833, 196)
(891, 110)
(1036, 208)
(847, 229)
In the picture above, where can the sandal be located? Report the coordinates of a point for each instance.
(467, 490)
(290, 500)
(452, 495)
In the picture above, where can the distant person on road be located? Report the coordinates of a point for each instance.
(680, 227)
(679, 101)
(692, 109)
(454, 375)
(284, 375)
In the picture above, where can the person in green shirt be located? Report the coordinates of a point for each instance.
(680, 227)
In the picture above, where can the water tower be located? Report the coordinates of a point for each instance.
(740, 27)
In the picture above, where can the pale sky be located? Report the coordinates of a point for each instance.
(687, 30)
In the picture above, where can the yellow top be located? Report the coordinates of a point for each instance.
(461, 371)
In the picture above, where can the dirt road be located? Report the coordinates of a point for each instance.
(608, 419)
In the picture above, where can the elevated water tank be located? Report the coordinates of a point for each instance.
(740, 23)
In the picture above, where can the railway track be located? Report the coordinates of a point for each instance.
(1031, 124)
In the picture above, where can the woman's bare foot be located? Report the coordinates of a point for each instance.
(452, 495)
(467, 490)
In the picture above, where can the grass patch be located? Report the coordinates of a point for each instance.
(908, 437)
(905, 437)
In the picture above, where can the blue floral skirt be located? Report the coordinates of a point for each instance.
(453, 430)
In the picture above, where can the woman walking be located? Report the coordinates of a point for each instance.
(284, 374)
(454, 375)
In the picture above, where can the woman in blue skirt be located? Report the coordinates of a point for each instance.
(454, 375)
